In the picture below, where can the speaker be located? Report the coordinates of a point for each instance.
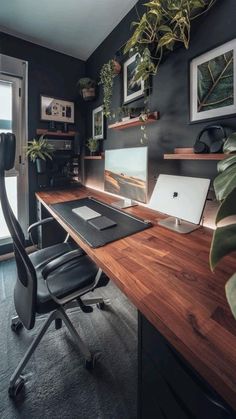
(216, 146)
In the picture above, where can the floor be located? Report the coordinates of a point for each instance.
(57, 384)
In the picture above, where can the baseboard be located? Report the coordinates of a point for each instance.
(11, 255)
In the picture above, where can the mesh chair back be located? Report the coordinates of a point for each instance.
(26, 284)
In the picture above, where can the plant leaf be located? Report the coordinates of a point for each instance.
(228, 207)
(164, 28)
(223, 243)
(230, 290)
(154, 4)
(166, 39)
(41, 155)
(225, 182)
(230, 144)
(224, 164)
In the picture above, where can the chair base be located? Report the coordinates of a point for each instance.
(16, 381)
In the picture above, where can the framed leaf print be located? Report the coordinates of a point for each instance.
(132, 89)
(98, 123)
(213, 83)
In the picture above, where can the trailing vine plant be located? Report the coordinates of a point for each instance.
(108, 72)
(143, 118)
(165, 23)
(106, 79)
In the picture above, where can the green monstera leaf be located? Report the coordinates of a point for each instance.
(224, 238)
(230, 144)
(223, 243)
(230, 290)
(228, 207)
(225, 182)
(224, 164)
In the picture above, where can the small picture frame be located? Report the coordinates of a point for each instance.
(132, 90)
(58, 110)
(213, 83)
(98, 123)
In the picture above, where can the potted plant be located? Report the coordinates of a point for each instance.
(87, 88)
(92, 145)
(124, 113)
(107, 74)
(224, 238)
(164, 24)
(39, 151)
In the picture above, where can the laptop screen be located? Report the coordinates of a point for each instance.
(180, 196)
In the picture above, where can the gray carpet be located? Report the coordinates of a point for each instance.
(57, 384)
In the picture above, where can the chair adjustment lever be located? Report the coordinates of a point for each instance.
(84, 307)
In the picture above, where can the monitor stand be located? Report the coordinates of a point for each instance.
(180, 226)
(124, 203)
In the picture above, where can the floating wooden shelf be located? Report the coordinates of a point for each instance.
(40, 131)
(188, 154)
(100, 157)
(133, 122)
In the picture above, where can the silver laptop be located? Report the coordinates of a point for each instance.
(181, 197)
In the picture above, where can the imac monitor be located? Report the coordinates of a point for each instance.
(126, 174)
(181, 197)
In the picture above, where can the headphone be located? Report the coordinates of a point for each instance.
(215, 147)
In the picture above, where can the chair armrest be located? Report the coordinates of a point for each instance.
(38, 223)
(61, 260)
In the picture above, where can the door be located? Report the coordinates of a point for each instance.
(16, 179)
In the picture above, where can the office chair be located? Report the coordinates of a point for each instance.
(48, 281)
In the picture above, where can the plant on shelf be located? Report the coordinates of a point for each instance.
(108, 72)
(39, 151)
(87, 88)
(224, 238)
(92, 145)
(165, 23)
(124, 113)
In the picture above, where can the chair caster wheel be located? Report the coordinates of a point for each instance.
(101, 306)
(16, 325)
(14, 390)
(90, 364)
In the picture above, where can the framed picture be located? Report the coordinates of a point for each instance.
(98, 123)
(213, 83)
(53, 109)
(132, 89)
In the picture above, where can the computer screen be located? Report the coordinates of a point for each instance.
(126, 172)
(181, 197)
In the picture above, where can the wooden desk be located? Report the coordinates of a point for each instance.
(168, 279)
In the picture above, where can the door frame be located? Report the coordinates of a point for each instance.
(16, 70)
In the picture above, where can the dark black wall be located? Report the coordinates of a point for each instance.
(50, 73)
(170, 96)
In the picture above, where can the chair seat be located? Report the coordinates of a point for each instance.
(67, 279)
(41, 257)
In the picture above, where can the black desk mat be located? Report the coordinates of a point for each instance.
(126, 224)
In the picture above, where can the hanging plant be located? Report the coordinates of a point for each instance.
(224, 238)
(108, 72)
(87, 88)
(165, 23)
